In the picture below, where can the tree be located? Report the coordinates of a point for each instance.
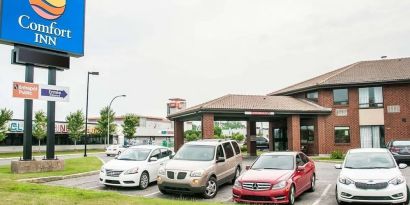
(217, 131)
(130, 124)
(238, 137)
(75, 126)
(232, 125)
(5, 117)
(102, 123)
(40, 127)
(192, 135)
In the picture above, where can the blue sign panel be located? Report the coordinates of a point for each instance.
(51, 24)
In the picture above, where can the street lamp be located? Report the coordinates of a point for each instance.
(108, 117)
(86, 111)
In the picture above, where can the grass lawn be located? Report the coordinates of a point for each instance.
(13, 193)
(35, 153)
(72, 166)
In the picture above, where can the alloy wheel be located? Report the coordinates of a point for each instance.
(211, 188)
(292, 195)
(144, 181)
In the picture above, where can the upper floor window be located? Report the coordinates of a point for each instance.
(340, 97)
(371, 97)
(313, 96)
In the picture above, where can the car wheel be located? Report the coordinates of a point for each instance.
(119, 152)
(144, 181)
(312, 183)
(337, 198)
(237, 174)
(108, 155)
(211, 188)
(292, 195)
(408, 197)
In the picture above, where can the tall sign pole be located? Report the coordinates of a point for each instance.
(51, 117)
(28, 118)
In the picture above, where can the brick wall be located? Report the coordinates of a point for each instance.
(397, 125)
(208, 126)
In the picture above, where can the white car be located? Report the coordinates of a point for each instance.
(114, 150)
(371, 175)
(135, 167)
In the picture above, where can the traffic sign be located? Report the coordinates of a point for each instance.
(40, 92)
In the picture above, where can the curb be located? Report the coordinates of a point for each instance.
(11, 158)
(329, 161)
(57, 178)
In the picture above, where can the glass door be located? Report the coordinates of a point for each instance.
(281, 139)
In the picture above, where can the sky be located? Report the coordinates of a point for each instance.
(153, 50)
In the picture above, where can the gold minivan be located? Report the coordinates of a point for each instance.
(200, 167)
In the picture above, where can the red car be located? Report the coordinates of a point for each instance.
(277, 177)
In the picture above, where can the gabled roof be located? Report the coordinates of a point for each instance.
(364, 72)
(255, 103)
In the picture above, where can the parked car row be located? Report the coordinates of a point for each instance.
(367, 175)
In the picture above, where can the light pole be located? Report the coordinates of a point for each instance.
(108, 117)
(86, 111)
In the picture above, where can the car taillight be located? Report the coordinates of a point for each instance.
(395, 149)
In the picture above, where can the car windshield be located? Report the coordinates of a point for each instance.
(368, 160)
(134, 154)
(196, 153)
(281, 162)
(401, 143)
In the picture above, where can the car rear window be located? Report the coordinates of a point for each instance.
(236, 147)
(228, 150)
(401, 143)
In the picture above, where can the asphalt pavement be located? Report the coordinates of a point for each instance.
(324, 194)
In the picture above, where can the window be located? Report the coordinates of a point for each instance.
(342, 134)
(371, 97)
(228, 150)
(305, 159)
(236, 147)
(313, 96)
(156, 153)
(299, 161)
(372, 136)
(220, 152)
(165, 153)
(340, 96)
(307, 134)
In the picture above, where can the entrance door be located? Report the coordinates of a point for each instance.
(307, 136)
(281, 139)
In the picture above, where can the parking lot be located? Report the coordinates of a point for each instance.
(324, 194)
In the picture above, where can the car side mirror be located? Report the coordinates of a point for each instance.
(220, 159)
(338, 166)
(248, 167)
(153, 159)
(301, 168)
(402, 166)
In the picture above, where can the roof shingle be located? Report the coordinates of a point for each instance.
(377, 71)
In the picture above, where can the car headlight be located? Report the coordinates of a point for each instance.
(345, 180)
(102, 170)
(280, 185)
(197, 173)
(161, 171)
(132, 171)
(398, 180)
(237, 184)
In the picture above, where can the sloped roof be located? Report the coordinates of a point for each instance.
(364, 72)
(255, 103)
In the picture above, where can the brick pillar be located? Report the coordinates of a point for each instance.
(178, 134)
(251, 137)
(320, 135)
(208, 126)
(294, 132)
(271, 137)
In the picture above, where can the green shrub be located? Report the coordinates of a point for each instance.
(336, 154)
(238, 137)
(244, 148)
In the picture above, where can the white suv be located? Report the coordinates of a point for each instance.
(371, 175)
(200, 167)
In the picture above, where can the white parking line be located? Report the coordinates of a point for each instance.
(323, 195)
(152, 194)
